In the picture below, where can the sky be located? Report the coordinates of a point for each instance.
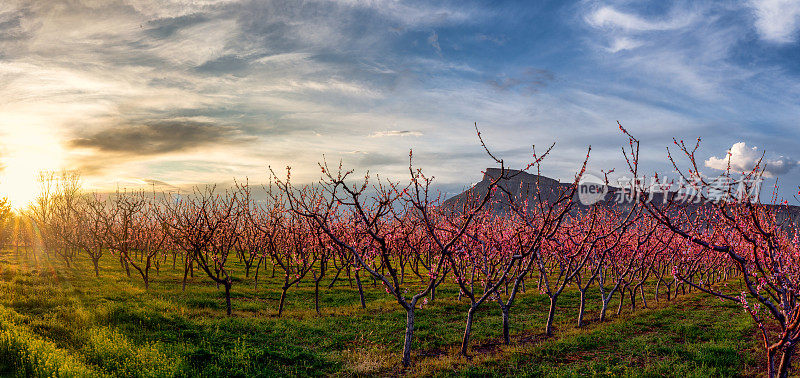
(176, 93)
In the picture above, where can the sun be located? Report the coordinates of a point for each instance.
(26, 153)
(20, 185)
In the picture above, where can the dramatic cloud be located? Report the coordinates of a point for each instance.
(207, 90)
(743, 159)
(158, 138)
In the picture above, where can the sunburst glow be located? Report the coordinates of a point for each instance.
(29, 152)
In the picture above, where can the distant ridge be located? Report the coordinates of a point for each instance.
(522, 185)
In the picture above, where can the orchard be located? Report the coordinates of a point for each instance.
(403, 239)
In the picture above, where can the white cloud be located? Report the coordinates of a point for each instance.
(198, 44)
(394, 133)
(285, 58)
(173, 8)
(624, 43)
(777, 20)
(608, 17)
(743, 159)
(330, 86)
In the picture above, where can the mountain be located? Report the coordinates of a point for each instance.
(522, 186)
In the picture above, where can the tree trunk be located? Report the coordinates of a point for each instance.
(621, 300)
(409, 335)
(548, 329)
(360, 291)
(772, 372)
(255, 279)
(658, 283)
(125, 266)
(283, 298)
(506, 337)
(96, 268)
(336, 277)
(467, 331)
(604, 308)
(185, 275)
(786, 361)
(644, 299)
(581, 308)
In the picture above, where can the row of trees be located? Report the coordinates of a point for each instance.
(401, 235)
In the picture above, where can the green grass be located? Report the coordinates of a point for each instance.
(65, 322)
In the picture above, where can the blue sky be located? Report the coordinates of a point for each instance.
(183, 92)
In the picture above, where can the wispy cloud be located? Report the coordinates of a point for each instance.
(529, 81)
(687, 46)
(418, 14)
(609, 17)
(624, 43)
(433, 40)
(395, 133)
(496, 39)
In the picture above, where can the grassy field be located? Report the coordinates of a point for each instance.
(64, 321)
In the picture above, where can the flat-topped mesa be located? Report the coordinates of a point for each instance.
(520, 185)
(515, 175)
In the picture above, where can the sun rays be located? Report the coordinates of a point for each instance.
(26, 153)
